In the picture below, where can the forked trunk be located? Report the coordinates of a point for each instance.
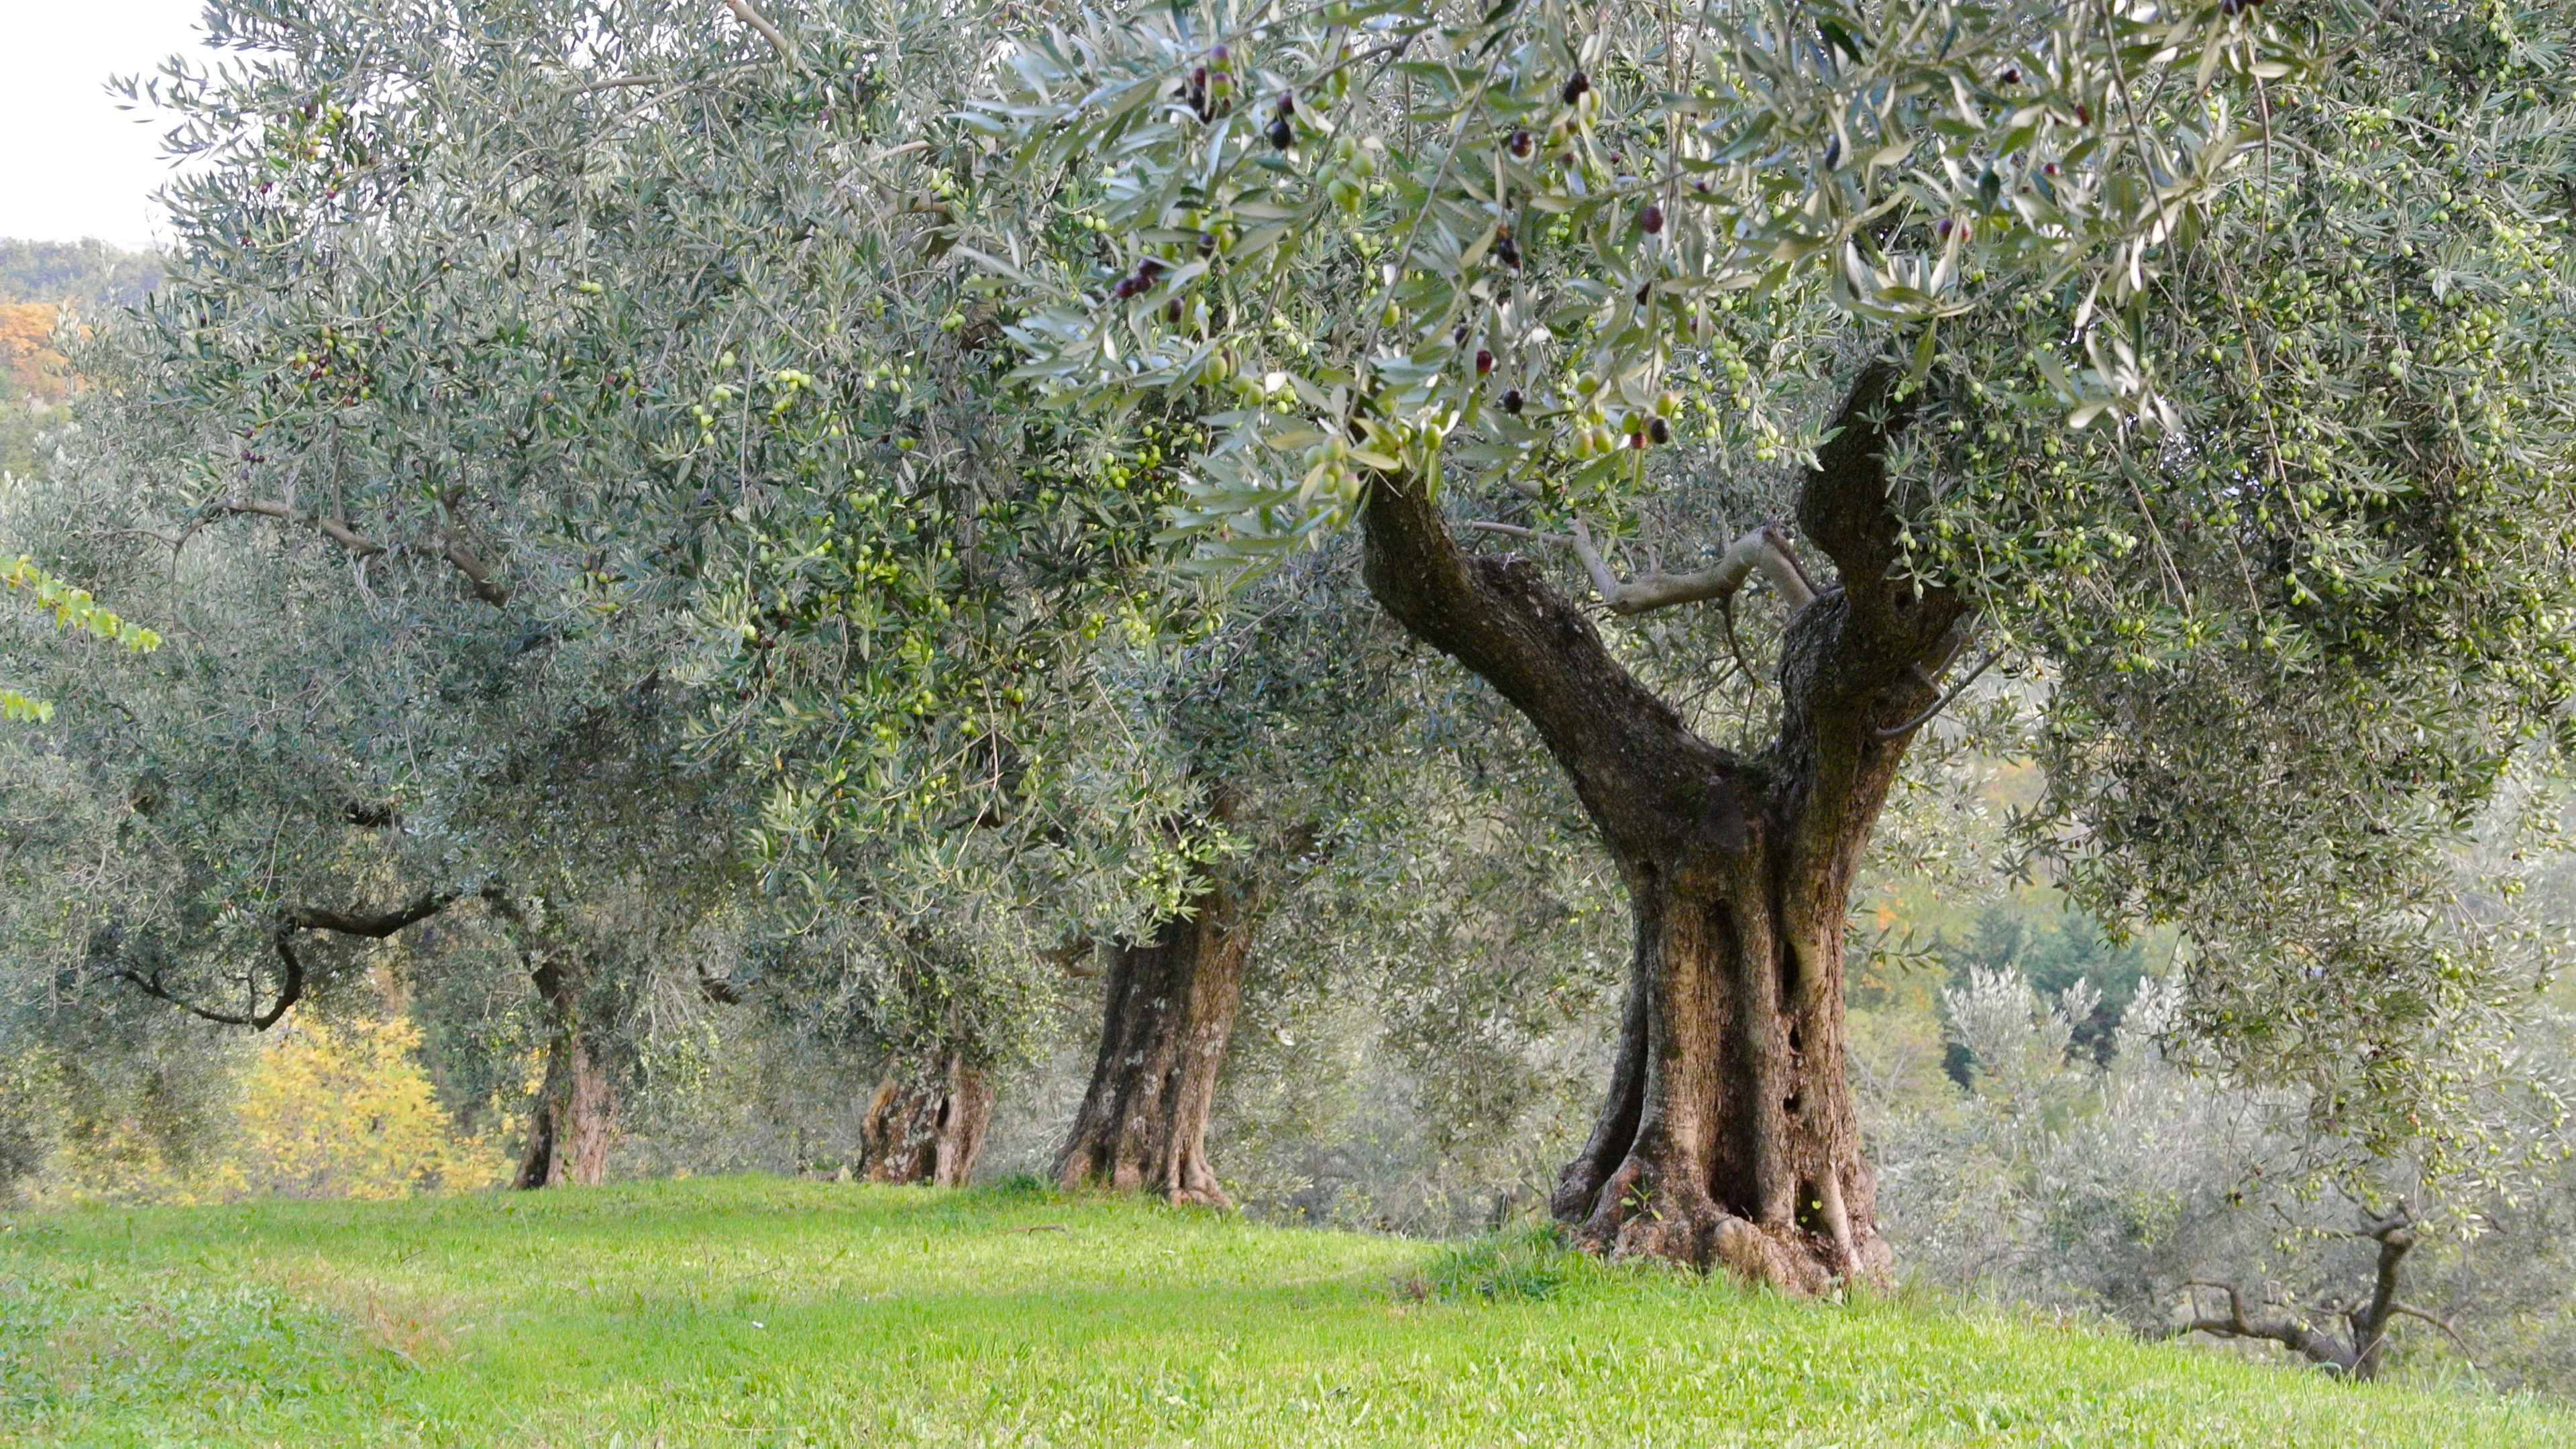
(926, 1123)
(1728, 1134)
(1170, 1011)
(575, 1121)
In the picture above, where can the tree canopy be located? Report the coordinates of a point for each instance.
(2207, 364)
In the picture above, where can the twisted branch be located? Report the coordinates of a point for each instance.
(373, 925)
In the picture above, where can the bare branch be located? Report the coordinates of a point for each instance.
(1514, 530)
(375, 925)
(2289, 1333)
(2411, 1311)
(743, 12)
(478, 574)
(621, 83)
(332, 528)
(1765, 550)
(2235, 1300)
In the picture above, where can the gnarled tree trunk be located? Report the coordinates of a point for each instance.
(1728, 1134)
(926, 1122)
(1170, 1011)
(575, 1121)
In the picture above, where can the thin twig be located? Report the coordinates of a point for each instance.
(1944, 702)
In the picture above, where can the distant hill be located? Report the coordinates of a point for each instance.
(90, 274)
(30, 367)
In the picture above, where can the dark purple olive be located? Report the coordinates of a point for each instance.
(1651, 219)
(1659, 430)
(1512, 401)
(1575, 85)
(1484, 361)
(1282, 135)
(1521, 144)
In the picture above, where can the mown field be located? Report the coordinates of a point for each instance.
(767, 1312)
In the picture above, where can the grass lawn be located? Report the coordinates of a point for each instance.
(766, 1312)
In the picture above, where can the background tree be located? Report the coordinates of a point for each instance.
(400, 693)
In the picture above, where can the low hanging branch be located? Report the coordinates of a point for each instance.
(2360, 1352)
(372, 925)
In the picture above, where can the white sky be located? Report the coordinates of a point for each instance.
(72, 164)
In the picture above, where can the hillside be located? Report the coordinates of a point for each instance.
(770, 1312)
(89, 274)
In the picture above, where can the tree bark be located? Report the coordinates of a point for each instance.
(926, 1122)
(1728, 1134)
(1170, 1011)
(575, 1121)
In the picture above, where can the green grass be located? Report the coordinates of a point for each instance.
(765, 1312)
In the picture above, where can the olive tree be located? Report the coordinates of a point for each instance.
(2202, 367)
(404, 677)
(624, 349)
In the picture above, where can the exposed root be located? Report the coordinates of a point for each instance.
(1632, 1218)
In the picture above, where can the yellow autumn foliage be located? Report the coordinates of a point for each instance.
(29, 365)
(346, 1111)
(339, 1109)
